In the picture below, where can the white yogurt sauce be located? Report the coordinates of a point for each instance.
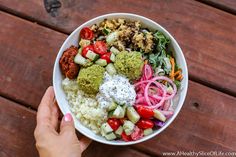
(116, 88)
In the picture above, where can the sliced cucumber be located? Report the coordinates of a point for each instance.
(92, 56)
(132, 115)
(112, 37)
(113, 57)
(110, 113)
(110, 136)
(147, 131)
(114, 50)
(158, 115)
(80, 50)
(128, 127)
(124, 108)
(111, 69)
(101, 62)
(105, 128)
(80, 59)
(113, 106)
(119, 112)
(84, 42)
(119, 130)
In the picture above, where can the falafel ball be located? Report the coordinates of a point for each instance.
(68, 67)
(90, 78)
(129, 64)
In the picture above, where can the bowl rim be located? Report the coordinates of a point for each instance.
(183, 92)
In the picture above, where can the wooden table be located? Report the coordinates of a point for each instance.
(30, 38)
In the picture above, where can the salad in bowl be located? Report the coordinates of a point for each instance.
(121, 78)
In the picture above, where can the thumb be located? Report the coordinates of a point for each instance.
(67, 125)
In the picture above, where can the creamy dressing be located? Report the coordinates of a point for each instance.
(116, 88)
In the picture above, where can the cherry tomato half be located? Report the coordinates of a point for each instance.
(125, 137)
(144, 112)
(145, 124)
(85, 50)
(114, 123)
(107, 56)
(86, 33)
(100, 47)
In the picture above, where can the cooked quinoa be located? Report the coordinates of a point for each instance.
(86, 109)
(130, 34)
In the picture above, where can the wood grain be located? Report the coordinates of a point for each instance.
(17, 125)
(226, 5)
(26, 59)
(208, 44)
(206, 122)
(102, 150)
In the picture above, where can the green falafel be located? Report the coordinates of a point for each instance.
(89, 79)
(129, 64)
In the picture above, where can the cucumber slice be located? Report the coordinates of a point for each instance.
(119, 130)
(91, 55)
(80, 50)
(132, 115)
(84, 42)
(158, 115)
(119, 112)
(105, 128)
(110, 114)
(112, 37)
(114, 50)
(110, 136)
(80, 59)
(147, 131)
(112, 57)
(111, 69)
(101, 62)
(128, 127)
(113, 106)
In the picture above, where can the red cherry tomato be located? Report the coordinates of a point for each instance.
(145, 124)
(136, 134)
(144, 112)
(107, 56)
(114, 123)
(86, 33)
(100, 47)
(125, 137)
(85, 50)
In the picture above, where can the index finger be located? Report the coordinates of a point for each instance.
(45, 107)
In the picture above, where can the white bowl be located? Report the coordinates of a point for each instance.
(73, 40)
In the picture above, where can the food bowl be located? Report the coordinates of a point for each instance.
(73, 40)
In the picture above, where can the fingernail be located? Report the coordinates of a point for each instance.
(68, 117)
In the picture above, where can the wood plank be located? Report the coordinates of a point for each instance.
(226, 5)
(101, 150)
(26, 59)
(206, 122)
(17, 125)
(208, 44)
(210, 125)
